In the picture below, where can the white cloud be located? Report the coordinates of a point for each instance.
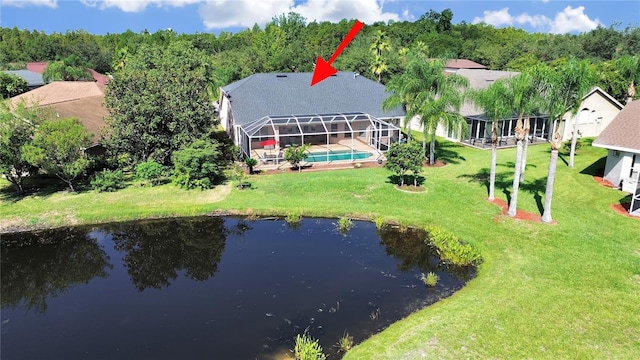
(137, 5)
(568, 20)
(495, 18)
(571, 19)
(227, 13)
(22, 3)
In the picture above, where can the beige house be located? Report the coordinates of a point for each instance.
(597, 111)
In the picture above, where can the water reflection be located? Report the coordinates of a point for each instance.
(56, 261)
(155, 251)
(224, 288)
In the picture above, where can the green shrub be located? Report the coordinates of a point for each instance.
(108, 180)
(451, 249)
(197, 166)
(150, 172)
(250, 162)
(344, 224)
(308, 349)
(430, 279)
(345, 343)
(380, 222)
(293, 218)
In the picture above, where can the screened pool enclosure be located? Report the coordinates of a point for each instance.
(351, 134)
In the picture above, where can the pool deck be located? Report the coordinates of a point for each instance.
(343, 145)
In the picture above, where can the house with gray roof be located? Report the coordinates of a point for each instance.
(622, 140)
(32, 78)
(340, 114)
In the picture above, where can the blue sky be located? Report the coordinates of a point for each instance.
(191, 16)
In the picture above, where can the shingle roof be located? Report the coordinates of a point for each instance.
(80, 99)
(480, 79)
(464, 64)
(624, 131)
(275, 94)
(32, 78)
(60, 91)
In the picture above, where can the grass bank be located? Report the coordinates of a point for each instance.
(569, 290)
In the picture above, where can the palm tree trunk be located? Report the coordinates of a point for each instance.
(546, 216)
(574, 139)
(492, 176)
(524, 158)
(513, 205)
(432, 150)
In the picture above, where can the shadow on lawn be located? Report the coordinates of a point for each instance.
(504, 183)
(596, 168)
(39, 186)
(408, 179)
(445, 152)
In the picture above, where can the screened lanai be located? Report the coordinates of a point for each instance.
(480, 130)
(355, 136)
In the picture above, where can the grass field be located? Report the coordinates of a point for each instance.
(568, 290)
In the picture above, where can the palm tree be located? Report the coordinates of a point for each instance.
(380, 44)
(522, 93)
(579, 77)
(495, 102)
(565, 89)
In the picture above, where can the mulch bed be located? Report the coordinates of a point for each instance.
(520, 215)
(622, 209)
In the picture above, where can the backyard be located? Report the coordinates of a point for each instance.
(567, 290)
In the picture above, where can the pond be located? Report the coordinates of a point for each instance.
(210, 287)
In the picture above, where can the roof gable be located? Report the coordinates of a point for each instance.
(32, 78)
(463, 64)
(624, 131)
(276, 94)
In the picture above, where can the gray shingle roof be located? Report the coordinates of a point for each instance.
(32, 78)
(480, 79)
(276, 94)
(624, 131)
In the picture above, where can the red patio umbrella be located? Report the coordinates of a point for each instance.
(269, 142)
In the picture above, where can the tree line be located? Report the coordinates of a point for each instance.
(289, 44)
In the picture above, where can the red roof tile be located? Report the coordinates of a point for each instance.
(38, 67)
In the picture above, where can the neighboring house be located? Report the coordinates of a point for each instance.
(454, 65)
(41, 67)
(83, 100)
(622, 139)
(343, 112)
(33, 79)
(597, 111)
(38, 67)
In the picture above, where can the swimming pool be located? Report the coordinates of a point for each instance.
(322, 156)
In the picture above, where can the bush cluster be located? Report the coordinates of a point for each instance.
(108, 180)
(451, 249)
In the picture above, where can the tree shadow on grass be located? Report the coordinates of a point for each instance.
(408, 179)
(445, 151)
(38, 186)
(596, 168)
(504, 183)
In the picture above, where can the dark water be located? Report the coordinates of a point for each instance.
(209, 288)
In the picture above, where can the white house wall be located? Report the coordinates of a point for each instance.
(618, 166)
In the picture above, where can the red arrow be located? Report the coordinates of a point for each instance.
(323, 68)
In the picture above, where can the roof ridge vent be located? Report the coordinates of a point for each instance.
(281, 76)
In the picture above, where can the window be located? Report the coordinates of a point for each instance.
(347, 130)
(616, 153)
(334, 130)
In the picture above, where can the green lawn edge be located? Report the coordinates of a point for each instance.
(568, 290)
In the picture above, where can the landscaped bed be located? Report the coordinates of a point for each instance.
(568, 290)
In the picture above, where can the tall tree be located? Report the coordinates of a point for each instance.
(17, 126)
(575, 80)
(159, 102)
(58, 148)
(427, 92)
(495, 102)
(380, 45)
(566, 87)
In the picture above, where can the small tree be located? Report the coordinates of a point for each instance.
(296, 154)
(58, 148)
(150, 172)
(16, 130)
(197, 166)
(11, 85)
(405, 157)
(251, 162)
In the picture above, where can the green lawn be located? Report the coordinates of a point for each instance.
(568, 290)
